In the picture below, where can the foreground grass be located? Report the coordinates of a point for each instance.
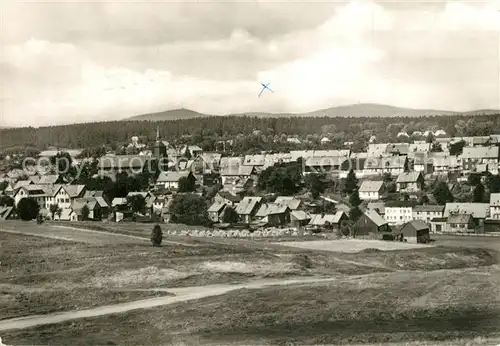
(387, 307)
(40, 275)
(25, 302)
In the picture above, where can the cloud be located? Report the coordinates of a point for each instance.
(82, 62)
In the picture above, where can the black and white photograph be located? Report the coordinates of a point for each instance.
(259, 172)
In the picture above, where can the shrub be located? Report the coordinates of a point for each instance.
(28, 208)
(156, 236)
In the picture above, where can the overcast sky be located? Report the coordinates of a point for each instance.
(92, 61)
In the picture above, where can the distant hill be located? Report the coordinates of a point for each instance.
(173, 114)
(355, 110)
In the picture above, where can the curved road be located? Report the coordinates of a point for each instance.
(181, 295)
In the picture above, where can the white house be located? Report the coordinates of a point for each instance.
(66, 194)
(410, 182)
(495, 206)
(472, 157)
(34, 191)
(370, 190)
(396, 215)
(427, 212)
(170, 180)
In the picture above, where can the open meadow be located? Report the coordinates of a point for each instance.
(232, 291)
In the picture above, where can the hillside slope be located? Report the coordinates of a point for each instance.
(355, 110)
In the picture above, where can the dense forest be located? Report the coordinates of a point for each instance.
(253, 131)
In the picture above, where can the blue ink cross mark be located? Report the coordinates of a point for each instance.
(264, 87)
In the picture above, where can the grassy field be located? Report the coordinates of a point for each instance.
(40, 275)
(354, 245)
(389, 307)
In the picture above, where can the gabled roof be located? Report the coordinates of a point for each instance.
(138, 193)
(49, 179)
(418, 225)
(16, 173)
(21, 183)
(375, 150)
(89, 193)
(325, 161)
(480, 152)
(495, 199)
(74, 190)
(408, 177)
(52, 190)
(321, 219)
(231, 161)
(429, 208)
(238, 170)
(385, 162)
(332, 153)
(216, 207)
(119, 201)
(359, 156)
(459, 218)
(247, 205)
(477, 210)
(304, 154)
(271, 209)
(229, 196)
(420, 147)
(375, 217)
(376, 205)
(371, 186)
(300, 215)
(192, 148)
(5, 212)
(401, 148)
(54, 152)
(290, 202)
(169, 177)
(254, 160)
(35, 179)
(31, 190)
(211, 158)
(102, 202)
(78, 203)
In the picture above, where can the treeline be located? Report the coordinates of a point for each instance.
(206, 131)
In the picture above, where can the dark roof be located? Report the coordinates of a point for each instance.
(229, 196)
(417, 225)
(433, 208)
(459, 218)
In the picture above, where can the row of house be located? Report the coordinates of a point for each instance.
(452, 217)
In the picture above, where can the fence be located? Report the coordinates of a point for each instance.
(290, 232)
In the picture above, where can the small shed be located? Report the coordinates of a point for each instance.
(415, 231)
(216, 210)
(371, 223)
(438, 224)
(299, 218)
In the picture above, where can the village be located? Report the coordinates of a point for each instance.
(392, 191)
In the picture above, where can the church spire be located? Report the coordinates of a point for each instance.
(157, 134)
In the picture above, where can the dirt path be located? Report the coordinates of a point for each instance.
(181, 295)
